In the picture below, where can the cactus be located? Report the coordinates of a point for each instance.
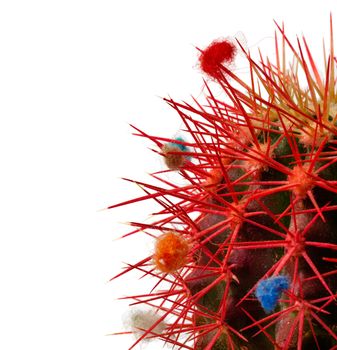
(245, 251)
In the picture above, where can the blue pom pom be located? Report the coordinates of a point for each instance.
(181, 146)
(269, 291)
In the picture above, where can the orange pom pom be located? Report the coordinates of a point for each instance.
(170, 252)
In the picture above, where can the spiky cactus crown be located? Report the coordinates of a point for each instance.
(248, 245)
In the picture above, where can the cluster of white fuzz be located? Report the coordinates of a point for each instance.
(143, 321)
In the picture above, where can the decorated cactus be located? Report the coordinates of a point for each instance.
(245, 246)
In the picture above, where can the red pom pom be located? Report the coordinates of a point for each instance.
(217, 53)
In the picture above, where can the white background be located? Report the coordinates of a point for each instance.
(73, 74)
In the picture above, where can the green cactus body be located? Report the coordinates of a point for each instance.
(256, 266)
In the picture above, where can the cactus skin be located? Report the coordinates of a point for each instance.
(260, 202)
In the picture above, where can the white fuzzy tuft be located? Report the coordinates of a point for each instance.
(141, 321)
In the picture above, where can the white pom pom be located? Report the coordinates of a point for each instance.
(141, 322)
